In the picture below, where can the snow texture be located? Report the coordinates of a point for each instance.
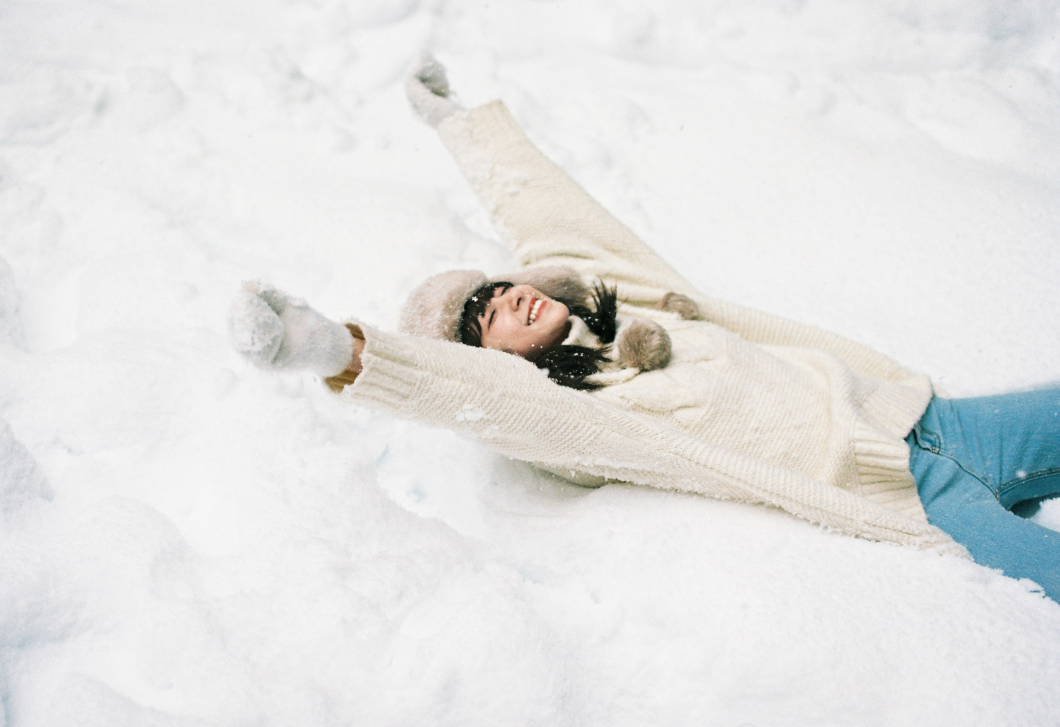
(187, 540)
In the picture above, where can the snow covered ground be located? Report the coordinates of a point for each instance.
(187, 541)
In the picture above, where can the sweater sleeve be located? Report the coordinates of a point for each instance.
(545, 214)
(771, 330)
(510, 405)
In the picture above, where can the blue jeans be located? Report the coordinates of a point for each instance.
(973, 459)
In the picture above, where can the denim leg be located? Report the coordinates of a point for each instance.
(973, 458)
(1011, 441)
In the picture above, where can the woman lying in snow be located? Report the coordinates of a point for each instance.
(643, 379)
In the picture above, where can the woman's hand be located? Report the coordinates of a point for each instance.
(275, 331)
(428, 90)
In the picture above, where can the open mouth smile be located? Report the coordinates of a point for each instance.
(535, 308)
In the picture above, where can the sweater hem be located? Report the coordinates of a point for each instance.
(883, 472)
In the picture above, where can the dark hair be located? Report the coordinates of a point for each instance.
(470, 331)
(568, 366)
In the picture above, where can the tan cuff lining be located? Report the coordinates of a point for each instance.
(338, 382)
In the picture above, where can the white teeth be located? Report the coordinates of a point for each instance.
(534, 310)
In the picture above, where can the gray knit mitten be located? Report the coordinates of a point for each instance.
(428, 90)
(275, 331)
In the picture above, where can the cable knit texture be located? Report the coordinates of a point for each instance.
(752, 407)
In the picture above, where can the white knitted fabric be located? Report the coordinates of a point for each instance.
(752, 408)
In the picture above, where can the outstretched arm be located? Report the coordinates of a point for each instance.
(533, 203)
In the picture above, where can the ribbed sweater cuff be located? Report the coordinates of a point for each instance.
(390, 373)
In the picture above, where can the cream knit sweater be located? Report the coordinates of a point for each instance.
(752, 408)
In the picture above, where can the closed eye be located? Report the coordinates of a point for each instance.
(490, 321)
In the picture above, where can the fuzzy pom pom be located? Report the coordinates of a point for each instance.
(645, 345)
(680, 304)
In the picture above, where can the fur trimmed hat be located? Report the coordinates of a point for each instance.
(434, 309)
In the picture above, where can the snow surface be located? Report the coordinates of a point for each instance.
(187, 541)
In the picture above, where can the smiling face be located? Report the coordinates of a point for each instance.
(523, 321)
